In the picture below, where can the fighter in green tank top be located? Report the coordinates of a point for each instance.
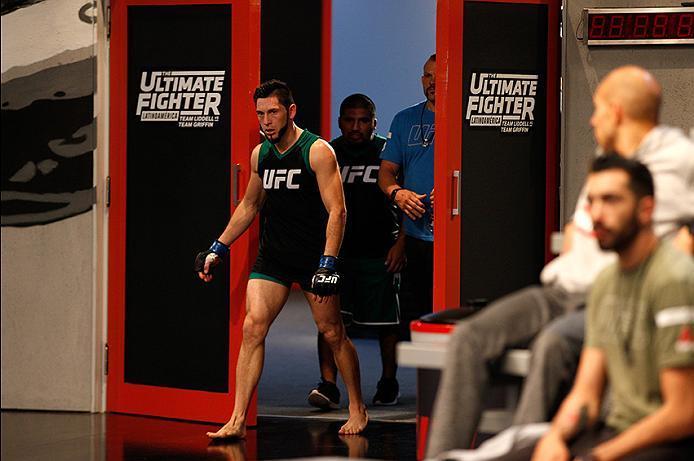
(295, 216)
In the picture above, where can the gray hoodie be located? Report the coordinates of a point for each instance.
(669, 155)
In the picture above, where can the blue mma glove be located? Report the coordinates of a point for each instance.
(218, 248)
(326, 279)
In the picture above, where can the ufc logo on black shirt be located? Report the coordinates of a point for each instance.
(368, 174)
(274, 179)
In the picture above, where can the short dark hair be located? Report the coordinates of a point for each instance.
(640, 179)
(358, 101)
(432, 58)
(276, 88)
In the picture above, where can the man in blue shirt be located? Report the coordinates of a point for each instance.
(407, 178)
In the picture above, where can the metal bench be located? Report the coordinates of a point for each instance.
(427, 352)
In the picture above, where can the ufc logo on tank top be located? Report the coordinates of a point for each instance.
(368, 174)
(281, 178)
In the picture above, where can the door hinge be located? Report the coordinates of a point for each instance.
(108, 191)
(108, 22)
(106, 359)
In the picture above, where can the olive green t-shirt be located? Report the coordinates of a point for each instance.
(643, 320)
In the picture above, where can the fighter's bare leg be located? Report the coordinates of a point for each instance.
(264, 300)
(326, 360)
(329, 322)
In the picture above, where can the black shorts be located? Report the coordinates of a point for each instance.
(369, 294)
(283, 271)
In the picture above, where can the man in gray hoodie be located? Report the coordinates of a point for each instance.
(551, 316)
(625, 120)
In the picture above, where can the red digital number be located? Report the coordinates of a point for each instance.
(684, 26)
(640, 26)
(659, 26)
(597, 27)
(616, 26)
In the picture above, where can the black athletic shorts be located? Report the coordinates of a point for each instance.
(369, 294)
(283, 271)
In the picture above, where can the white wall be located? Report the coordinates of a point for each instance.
(47, 316)
(379, 49)
(50, 341)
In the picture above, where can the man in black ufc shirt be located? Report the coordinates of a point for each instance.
(295, 179)
(372, 251)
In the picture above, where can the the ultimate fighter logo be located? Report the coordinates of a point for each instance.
(503, 100)
(190, 98)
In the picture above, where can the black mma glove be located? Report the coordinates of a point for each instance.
(218, 248)
(326, 280)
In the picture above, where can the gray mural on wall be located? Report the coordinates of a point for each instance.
(48, 127)
(8, 6)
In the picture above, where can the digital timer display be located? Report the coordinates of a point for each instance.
(639, 26)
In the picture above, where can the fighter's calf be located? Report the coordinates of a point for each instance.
(333, 333)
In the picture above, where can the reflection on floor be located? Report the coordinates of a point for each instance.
(113, 437)
(287, 428)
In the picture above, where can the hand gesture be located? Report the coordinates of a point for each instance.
(551, 447)
(326, 280)
(410, 203)
(206, 260)
(208, 263)
(395, 260)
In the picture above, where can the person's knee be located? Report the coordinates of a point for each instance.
(549, 346)
(332, 333)
(254, 329)
(464, 338)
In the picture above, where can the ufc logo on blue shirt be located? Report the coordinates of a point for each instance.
(273, 179)
(368, 174)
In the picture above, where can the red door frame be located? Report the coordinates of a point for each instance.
(159, 401)
(326, 68)
(448, 148)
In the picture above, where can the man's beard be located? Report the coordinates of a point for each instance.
(363, 140)
(426, 95)
(623, 239)
(280, 134)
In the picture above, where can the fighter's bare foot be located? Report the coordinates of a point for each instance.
(234, 429)
(358, 419)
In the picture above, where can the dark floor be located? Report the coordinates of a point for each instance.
(287, 427)
(112, 437)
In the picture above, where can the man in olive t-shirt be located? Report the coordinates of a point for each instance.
(639, 336)
(642, 319)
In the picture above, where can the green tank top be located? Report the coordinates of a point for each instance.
(294, 217)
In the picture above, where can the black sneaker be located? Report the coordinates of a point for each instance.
(387, 392)
(325, 396)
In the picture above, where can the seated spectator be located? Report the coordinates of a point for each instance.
(625, 119)
(639, 337)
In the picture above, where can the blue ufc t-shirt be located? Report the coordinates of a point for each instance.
(411, 145)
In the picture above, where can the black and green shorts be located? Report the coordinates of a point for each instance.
(369, 294)
(284, 271)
